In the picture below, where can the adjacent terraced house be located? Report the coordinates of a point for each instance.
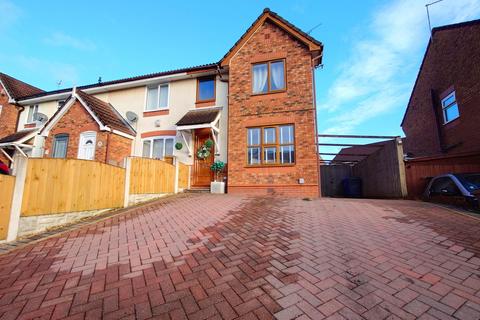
(257, 106)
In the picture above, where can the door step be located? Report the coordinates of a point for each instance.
(198, 190)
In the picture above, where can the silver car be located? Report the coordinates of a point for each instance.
(455, 189)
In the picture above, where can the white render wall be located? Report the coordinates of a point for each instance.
(182, 97)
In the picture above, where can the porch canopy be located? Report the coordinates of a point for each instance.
(199, 119)
(17, 142)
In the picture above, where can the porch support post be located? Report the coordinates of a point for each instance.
(20, 172)
(128, 169)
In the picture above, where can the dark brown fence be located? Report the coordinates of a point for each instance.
(420, 171)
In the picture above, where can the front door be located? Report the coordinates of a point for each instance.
(201, 173)
(86, 146)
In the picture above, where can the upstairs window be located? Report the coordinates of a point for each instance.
(271, 145)
(157, 97)
(450, 108)
(32, 111)
(206, 89)
(268, 77)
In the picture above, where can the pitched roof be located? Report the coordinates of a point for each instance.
(435, 31)
(124, 80)
(312, 43)
(200, 116)
(17, 135)
(106, 113)
(358, 153)
(16, 88)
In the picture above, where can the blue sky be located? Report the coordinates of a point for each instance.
(373, 48)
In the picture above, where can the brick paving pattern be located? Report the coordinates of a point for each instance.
(230, 257)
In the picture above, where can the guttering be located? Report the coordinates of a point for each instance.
(116, 86)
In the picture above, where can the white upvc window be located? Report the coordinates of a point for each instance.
(157, 97)
(450, 108)
(32, 111)
(158, 147)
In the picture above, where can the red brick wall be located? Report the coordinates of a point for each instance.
(452, 60)
(8, 118)
(77, 120)
(118, 149)
(295, 106)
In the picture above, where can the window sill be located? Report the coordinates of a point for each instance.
(206, 103)
(268, 93)
(451, 121)
(270, 165)
(153, 113)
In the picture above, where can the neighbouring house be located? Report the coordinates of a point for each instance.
(256, 105)
(86, 127)
(11, 90)
(443, 112)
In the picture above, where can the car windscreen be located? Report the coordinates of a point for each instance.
(471, 182)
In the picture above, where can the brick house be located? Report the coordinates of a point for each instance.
(442, 115)
(87, 128)
(272, 109)
(256, 105)
(11, 90)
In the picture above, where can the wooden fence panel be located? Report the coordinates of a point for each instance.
(183, 175)
(419, 171)
(7, 183)
(149, 176)
(71, 185)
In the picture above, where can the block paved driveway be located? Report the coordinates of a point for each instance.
(228, 257)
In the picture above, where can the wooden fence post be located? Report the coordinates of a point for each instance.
(20, 173)
(176, 163)
(128, 169)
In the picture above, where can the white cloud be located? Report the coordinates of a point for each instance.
(9, 13)
(378, 76)
(60, 39)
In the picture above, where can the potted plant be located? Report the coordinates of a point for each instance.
(217, 186)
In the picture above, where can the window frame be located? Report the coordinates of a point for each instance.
(214, 78)
(446, 107)
(60, 135)
(268, 63)
(151, 139)
(158, 86)
(35, 108)
(277, 146)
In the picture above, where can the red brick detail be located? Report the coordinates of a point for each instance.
(205, 104)
(159, 133)
(110, 148)
(276, 189)
(451, 62)
(295, 105)
(8, 119)
(30, 125)
(156, 113)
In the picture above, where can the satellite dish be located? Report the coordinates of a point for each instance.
(132, 116)
(40, 117)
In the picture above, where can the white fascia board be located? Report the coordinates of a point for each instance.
(10, 99)
(117, 86)
(28, 137)
(123, 134)
(57, 117)
(195, 126)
